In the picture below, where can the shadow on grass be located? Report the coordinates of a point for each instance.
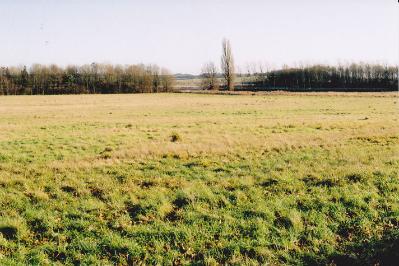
(383, 252)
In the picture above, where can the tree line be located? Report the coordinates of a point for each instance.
(89, 78)
(355, 76)
(349, 77)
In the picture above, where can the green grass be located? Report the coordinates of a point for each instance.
(199, 179)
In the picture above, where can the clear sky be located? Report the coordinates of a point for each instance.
(182, 35)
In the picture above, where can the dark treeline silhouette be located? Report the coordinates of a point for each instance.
(93, 78)
(352, 77)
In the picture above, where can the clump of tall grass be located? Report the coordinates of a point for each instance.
(175, 137)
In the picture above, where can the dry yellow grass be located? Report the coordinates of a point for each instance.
(137, 125)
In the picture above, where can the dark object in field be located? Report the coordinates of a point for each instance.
(71, 190)
(311, 180)
(134, 210)
(354, 178)
(98, 193)
(175, 137)
(282, 221)
(269, 182)
(9, 232)
(107, 149)
(106, 153)
(181, 201)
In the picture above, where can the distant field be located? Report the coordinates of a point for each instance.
(195, 83)
(183, 83)
(190, 178)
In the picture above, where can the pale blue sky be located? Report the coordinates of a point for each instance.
(182, 34)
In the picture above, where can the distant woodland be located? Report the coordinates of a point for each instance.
(93, 78)
(106, 78)
(351, 77)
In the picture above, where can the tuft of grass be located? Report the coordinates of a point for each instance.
(106, 153)
(175, 137)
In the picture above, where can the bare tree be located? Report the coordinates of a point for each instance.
(209, 74)
(228, 64)
(167, 80)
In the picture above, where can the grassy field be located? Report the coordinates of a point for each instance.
(199, 179)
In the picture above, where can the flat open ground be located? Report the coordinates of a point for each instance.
(188, 178)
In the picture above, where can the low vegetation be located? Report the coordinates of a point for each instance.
(199, 179)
